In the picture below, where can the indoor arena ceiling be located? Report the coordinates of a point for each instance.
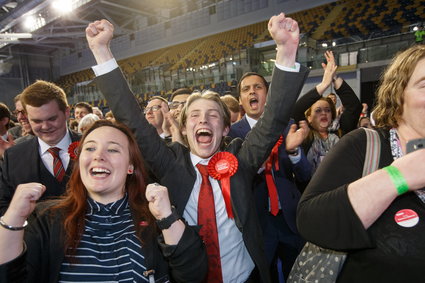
(44, 26)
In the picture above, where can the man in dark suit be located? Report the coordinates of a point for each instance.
(31, 161)
(205, 120)
(278, 224)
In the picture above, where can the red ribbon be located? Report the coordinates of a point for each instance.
(274, 155)
(221, 167)
(271, 186)
(73, 150)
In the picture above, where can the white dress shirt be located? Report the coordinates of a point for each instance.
(63, 153)
(236, 263)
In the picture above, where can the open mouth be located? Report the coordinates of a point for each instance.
(253, 102)
(203, 136)
(99, 172)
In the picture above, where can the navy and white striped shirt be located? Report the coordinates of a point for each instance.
(109, 250)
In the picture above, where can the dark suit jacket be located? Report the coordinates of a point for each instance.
(289, 194)
(173, 166)
(22, 164)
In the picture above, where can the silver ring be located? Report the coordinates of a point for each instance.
(156, 184)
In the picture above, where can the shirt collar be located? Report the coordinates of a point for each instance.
(196, 159)
(116, 207)
(251, 121)
(63, 144)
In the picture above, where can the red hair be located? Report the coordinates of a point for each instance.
(74, 204)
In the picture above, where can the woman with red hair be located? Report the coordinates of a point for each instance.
(104, 229)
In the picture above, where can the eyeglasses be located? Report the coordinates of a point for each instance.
(152, 108)
(320, 110)
(16, 112)
(176, 104)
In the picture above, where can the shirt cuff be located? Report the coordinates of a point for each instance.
(295, 69)
(295, 158)
(105, 67)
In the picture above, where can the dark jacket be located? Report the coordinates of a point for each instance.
(173, 166)
(22, 164)
(44, 238)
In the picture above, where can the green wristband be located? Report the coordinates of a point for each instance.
(397, 179)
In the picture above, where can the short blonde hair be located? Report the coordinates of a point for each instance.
(390, 94)
(208, 95)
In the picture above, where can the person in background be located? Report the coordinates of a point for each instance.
(110, 116)
(104, 229)
(98, 112)
(43, 158)
(377, 219)
(276, 190)
(364, 122)
(320, 112)
(5, 122)
(231, 231)
(178, 100)
(81, 109)
(24, 127)
(86, 122)
(233, 105)
(155, 116)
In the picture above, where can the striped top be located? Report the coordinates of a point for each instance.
(109, 250)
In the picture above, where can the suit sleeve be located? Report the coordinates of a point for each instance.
(283, 92)
(304, 103)
(352, 108)
(126, 109)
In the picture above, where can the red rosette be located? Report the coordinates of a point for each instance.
(73, 150)
(221, 167)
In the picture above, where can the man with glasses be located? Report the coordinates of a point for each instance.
(22, 131)
(155, 116)
(178, 100)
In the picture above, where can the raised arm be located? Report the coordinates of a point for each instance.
(21, 206)
(352, 106)
(308, 99)
(283, 92)
(121, 100)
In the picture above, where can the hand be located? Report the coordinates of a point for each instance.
(295, 137)
(6, 144)
(286, 35)
(23, 203)
(329, 74)
(99, 35)
(165, 121)
(412, 168)
(159, 202)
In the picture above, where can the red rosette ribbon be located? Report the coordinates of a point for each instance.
(274, 155)
(221, 167)
(73, 150)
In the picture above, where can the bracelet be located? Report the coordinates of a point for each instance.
(12, 228)
(397, 179)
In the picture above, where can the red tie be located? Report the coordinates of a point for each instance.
(208, 232)
(271, 186)
(58, 169)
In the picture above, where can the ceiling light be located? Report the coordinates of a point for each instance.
(30, 22)
(63, 6)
